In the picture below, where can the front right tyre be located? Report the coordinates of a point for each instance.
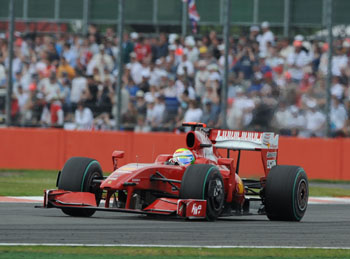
(77, 175)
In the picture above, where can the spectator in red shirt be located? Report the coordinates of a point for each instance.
(142, 49)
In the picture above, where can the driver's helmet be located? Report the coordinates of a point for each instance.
(184, 156)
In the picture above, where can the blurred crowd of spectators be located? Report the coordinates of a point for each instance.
(274, 84)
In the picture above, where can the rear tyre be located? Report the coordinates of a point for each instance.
(204, 182)
(286, 193)
(77, 175)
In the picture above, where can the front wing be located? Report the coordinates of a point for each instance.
(185, 208)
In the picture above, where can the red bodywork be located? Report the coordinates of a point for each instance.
(165, 180)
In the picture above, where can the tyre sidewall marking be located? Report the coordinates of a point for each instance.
(86, 170)
(293, 196)
(299, 188)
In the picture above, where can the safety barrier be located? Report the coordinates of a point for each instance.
(50, 148)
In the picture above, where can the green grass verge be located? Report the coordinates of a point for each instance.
(26, 182)
(330, 181)
(329, 192)
(156, 252)
(33, 183)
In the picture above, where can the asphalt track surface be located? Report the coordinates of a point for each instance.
(322, 226)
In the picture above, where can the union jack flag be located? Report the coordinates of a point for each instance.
(193, 14)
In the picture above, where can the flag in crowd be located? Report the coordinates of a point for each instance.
(193, 14)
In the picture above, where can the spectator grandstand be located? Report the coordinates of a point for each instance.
(276, 84)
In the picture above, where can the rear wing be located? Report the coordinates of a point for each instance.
(265, 142)
(243, 140)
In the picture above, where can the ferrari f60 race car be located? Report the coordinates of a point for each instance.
(208, 188)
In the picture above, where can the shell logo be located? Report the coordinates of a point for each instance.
(240, 186)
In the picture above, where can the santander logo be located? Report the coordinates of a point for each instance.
(196, 209)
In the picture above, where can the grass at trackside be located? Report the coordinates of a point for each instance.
(329, 181)
(154, 252)
(26, 182)
(329, 192)
(33, 183)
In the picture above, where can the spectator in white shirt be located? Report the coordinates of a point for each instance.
(185, 67)
(50, 87)
(79, 85)
(155, 113)
(286, 49)
(296, 61)
(158, 112)
(22, 98)
(2, 75)
(241, 112)
(170, 88)
(214, 74)
(135, 69)
(315, 121)
(282, 118)
(202, 76)
(100, 61)
(84, 118)
(323, 66)
(339, 61)
(297, 120)
(337, 89)
(157, 72)
(16, 62)
(191, 50)
(266, 37)
(338, 115)
(193, 114)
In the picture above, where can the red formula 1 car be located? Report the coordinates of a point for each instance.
(209, 187)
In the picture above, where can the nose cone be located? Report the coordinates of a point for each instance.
(122, 175)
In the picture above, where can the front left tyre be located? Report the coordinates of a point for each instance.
(77, 175)
(204, 182)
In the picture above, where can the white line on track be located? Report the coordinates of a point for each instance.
(171, 246)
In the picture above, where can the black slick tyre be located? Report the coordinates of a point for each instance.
(204, 182)
(286, 193)
(77, 175)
